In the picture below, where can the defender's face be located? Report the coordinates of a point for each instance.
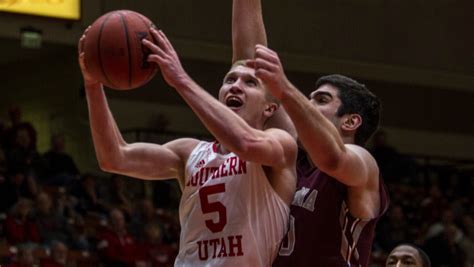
(244, 93)
(404, 256)
(327, 101)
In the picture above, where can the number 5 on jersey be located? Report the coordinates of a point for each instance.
(209, 207)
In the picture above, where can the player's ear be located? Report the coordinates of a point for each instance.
(270, 108)
(351, 122)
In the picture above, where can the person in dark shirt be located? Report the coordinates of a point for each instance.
(19, 227)
(60, 168)
(16, 185)
(17, 123)
(53, 226)
(88, 197)
(23, 154)
(116, 246)
(59, 256)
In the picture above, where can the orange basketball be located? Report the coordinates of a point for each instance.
(113, 50)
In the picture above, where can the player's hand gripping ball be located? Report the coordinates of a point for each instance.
(113, 50)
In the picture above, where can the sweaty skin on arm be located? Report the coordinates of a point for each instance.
(352, 165)
(274, 148)
(269, 148)
(139, 160)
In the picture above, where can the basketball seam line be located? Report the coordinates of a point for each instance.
(99, 51)
(128, 50)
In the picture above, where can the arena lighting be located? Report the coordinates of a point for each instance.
(30, 37)
(62, 9)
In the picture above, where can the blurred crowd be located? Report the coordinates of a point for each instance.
(431, 207)
(51, 214)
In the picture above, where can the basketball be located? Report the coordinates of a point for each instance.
(113, 50)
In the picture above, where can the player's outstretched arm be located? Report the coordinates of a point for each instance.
(350, 164)
(265, 147)
(140, 160)
(248, 28)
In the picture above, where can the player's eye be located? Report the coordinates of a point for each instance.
(322, 100)
(409, 262)
(391, 262)
(229, 80)
(251, 82)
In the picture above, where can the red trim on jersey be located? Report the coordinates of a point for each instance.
(214, 146)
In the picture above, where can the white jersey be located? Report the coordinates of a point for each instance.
(229, 213)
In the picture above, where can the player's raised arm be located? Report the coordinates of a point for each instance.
(248, 28)
(140, 160)
(350, 164)
(269, 148)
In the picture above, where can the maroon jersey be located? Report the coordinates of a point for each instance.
(322, 232)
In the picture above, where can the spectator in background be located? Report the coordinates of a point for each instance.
(393, 166)
(443, 242)
(88, 198)
(16, 124)
(433, 205)
(171, 232)
(60, 169)
(65, 204)
(436, 228)
(467, 241)
(22, 152)
(116, 246)
(25, 257)
(58, 258)
(444, 249)
(145, 214)
(153, 251)
(52, 225)
(450, 182)
(119, 196)
(16, 185)
(394, 229)
(407, 255)
(19, 227)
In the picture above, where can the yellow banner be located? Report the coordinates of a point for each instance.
(64, 9)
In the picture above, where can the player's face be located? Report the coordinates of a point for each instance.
(327, 101)
(404, 256)
(244, 93)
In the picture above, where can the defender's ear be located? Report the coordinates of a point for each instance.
(270, 108)
(351, 122)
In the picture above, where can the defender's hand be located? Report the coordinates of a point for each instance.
(268, 68)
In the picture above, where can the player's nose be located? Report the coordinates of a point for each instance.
(236, 88)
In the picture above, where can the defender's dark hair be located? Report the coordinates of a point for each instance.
(356, 98)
